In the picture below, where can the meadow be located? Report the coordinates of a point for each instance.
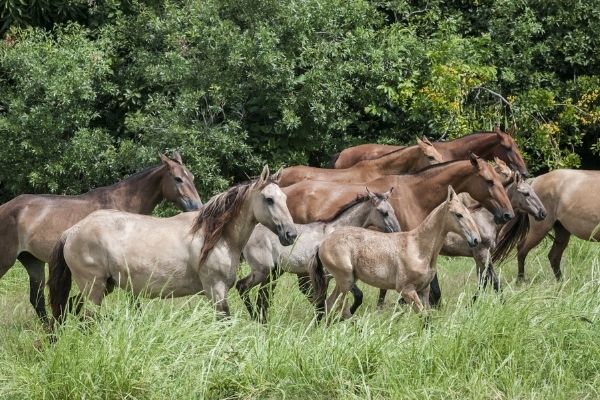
(537, 340)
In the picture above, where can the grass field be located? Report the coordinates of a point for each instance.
(538, 340)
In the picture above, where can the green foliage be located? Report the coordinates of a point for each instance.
(235, 84)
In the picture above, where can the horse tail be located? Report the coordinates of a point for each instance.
(334, 159)
(318, 280)
(511, 234)
(59, 280)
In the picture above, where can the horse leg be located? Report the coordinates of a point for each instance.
(217, 293)
(561, 240)
(37, 279)
(243, 287)
(304, 285)
(536, 233)
(265, 292)
(358, 298)
(435, 294)
(381, 297)
(411, 297)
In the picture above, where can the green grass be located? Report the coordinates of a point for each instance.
(537, 340)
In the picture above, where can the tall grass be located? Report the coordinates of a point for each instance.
(536, 340)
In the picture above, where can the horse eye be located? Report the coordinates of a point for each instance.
(431, 157)
(490, 182)
(526, 194)
(459, 215)
(178, 179)
(385, 213)
(270, 201)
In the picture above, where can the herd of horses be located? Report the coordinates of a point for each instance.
(382, 215)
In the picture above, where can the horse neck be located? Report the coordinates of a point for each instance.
(139, 193)
(431, 234)
(478, 143)
(397, 161)
(239, 228)
(455, 174)
(353, 216)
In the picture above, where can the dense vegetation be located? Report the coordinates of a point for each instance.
(91, 91)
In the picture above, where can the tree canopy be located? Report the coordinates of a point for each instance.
(91, 91)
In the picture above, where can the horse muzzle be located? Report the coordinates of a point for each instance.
(540, 216)
(190, 205)
(392, 227)
(473, 241)
(287, 236)
(503, 217)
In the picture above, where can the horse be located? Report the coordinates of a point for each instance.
(405, 261)
(486, 144)
(30, 224)
(268, 258)
(523, 199)
(178, 256)
(572, 209)
(421, 192)
(402, 160)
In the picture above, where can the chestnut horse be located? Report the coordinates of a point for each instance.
(572, 207)
(415, 196)
(486, 144)
(402, 160)
(405, 261)
(30, 225)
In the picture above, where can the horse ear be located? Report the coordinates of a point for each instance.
(511, 130)
(372, 195)
(387, 194)
(451, 193)
(517, 177)
(177, 157)
(165, 160)
(420, 142)
(426, 141)
(276, 177)
(264, 175)
(474, 160)
(500, 162)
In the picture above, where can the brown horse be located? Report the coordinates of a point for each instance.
(400, 161)
(486, 144)
(30, 225)
(405, 261)
(572, 209)
(417, 196)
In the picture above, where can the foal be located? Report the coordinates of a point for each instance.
(405, 261)
(268, 258)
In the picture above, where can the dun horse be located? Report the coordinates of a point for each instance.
(402, 160)
(30, 225)
(523, 199)
(421, 192)
(486, 144)
(572, 209)
(404, 261)
(178, 256)
(268, 258)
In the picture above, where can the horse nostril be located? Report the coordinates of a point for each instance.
(506, 217)
(475, 241)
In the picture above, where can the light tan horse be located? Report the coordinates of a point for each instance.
(523, 199)
(403, 160)
(167, 257)
(569, 198)
(486, 144)
(404, 261)
(268, 259)
(30, 225)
